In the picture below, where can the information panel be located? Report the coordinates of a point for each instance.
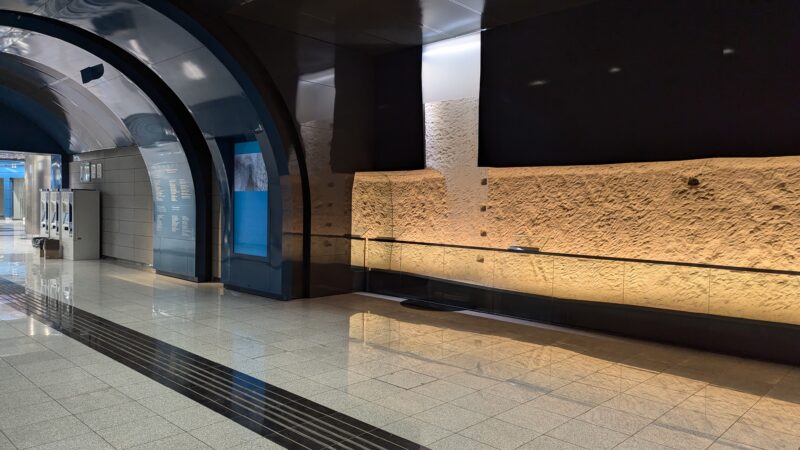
(250, 201)
(173, 208)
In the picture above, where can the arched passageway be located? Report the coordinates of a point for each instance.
(205, 118)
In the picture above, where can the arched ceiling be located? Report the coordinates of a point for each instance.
(19, 133)
(383, 25)
(67, 111)
(209, 94)
(102, 114)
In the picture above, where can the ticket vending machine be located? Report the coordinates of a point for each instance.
(44, 213)
(80, 224)
(55, 217)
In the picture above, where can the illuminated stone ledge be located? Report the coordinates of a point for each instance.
(729, 293)
(744, 212)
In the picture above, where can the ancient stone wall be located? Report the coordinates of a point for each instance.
(737, 212)
(744, 212)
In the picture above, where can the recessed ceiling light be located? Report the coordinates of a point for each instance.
(728, 51)
(537, 83)
(615, 69)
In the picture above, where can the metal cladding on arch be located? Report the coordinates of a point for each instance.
(279, 124)
(208, 82)
(68, 112)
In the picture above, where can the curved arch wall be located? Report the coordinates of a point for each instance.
(176, 249)
(221, 110)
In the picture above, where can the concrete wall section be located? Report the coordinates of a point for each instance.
(127, 202)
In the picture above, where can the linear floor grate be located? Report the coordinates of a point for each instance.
(280, 416)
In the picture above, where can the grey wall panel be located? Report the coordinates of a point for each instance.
(127, 213)
(19, 198)
(37, 177)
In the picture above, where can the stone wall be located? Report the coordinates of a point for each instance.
(737, 212)
(745, 212)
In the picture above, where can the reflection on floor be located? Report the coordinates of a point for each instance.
(56, 393)
(441, 379)
(276, 414)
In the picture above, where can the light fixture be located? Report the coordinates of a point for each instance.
(535, 83)
(615, 69)
(728, 51)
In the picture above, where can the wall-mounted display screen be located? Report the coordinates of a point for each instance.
(250, 201)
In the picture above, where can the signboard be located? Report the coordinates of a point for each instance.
(250, 201)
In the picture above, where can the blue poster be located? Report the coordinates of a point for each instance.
(250, 203)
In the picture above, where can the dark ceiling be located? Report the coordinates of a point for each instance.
(383, 25)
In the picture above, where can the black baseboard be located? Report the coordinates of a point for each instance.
(741, 337)
(178, 275)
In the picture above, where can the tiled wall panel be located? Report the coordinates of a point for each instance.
(127, 202)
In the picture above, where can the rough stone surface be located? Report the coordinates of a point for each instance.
(588, 279)
(521, 272)
(469, 266)
(451, 147)
(742, 212)
(745, 213)
(404, 205)
(759, 296)
(670, 287)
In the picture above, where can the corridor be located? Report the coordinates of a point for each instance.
(203, 366)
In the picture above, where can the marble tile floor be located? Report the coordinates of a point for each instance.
(442, 379)
(56, 393)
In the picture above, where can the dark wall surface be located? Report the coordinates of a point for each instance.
(624, 80)
(19, 133)
(373, 100)
(355, 110)
(399, 128)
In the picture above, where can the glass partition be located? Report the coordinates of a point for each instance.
(754, 294)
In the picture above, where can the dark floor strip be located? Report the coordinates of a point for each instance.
(278, 415)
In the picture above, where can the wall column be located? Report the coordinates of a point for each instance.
(450, 91)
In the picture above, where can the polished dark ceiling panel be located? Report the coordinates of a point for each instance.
(386, 24)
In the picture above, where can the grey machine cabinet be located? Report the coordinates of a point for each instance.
(55, 216)
(80, 222)
(44, 213)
